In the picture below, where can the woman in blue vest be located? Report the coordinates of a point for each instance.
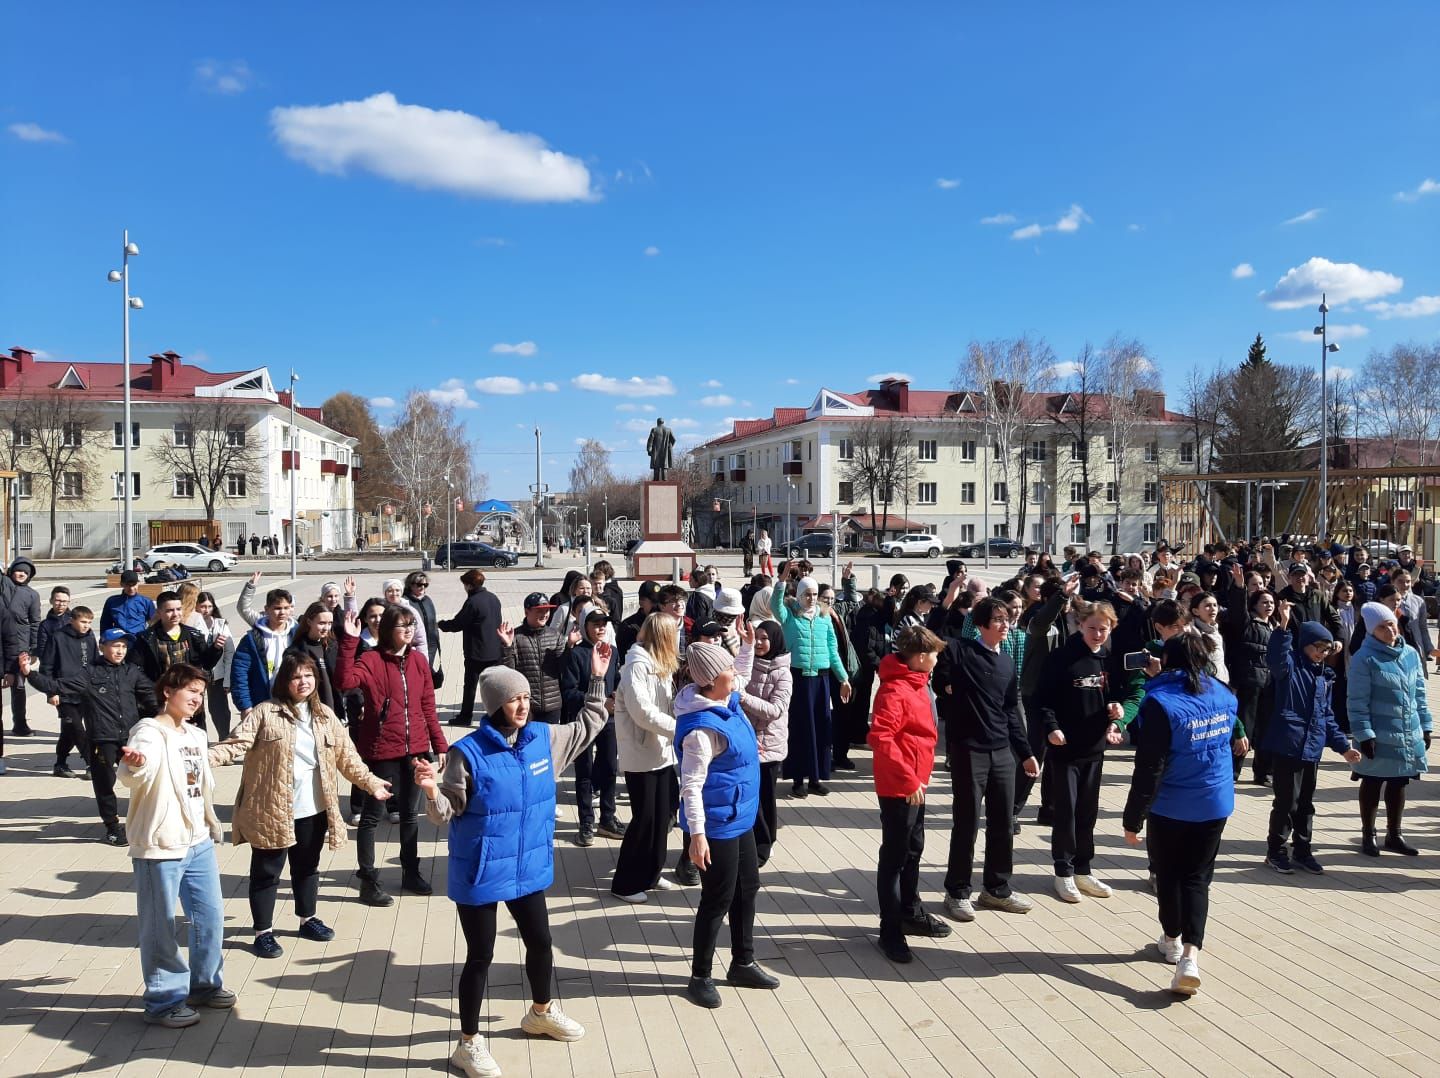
(719, 800)
(498, 795)
(1184, 782)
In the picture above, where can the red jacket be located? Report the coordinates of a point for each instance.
(902, 730)
(411, 726)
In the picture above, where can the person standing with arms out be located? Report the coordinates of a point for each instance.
(902, 738)
(1079, 712)
(985, 736)
(497, 794)
(477, 622)
(294, 749)
(1390, 724)
(1184, 791)
(172, 831)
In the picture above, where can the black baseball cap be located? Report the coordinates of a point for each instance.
(596, 615)
(650, 590)
(540, 599)
(128, 577)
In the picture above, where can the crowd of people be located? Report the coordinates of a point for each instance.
(704, 702)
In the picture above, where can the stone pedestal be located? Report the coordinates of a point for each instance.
(661, 545)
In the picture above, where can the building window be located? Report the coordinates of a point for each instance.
(1152, 532)
(1079, 450)
(235, 435)
(1077, 493)
(72, 536)
(73, 434)
(847, 492)
(1037, 534)
(967, 493)
(810, 493)
(24, 438)
(1112, 534)
(134, 435)
(767, 485)
(1079, 534)
(999, 493)
(1110, 492)
(235, 485)
(926, 493)
(1187, 452)
(184, 486)
(26, 483)
(967, 533)
(967, 450)
(1000, 531)
(1152, 452)
(27, 536)
(927, 449)
(1152, 493)
(120, 485)
(1037, 493)
(847, 449)
(184, 435)
(1109, 450)
(72, 485)
(1037, 451)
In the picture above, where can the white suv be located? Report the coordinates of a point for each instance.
(915, 543)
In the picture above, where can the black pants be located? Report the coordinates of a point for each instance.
(17, 705)
(1183, 856)
(304, 858)
(653, 797)
(72, 734)
(977, 776)
(219, 700)
(897, 879)
(473, 669)
(595, 769)
(404, 798)
(727, 889)
(478, 924)
(1264, 703)
(852, 723)
(1293, 810)
(1039, 746)
(354, 714)
(104, 758)
(767, 821)
(1077, 806)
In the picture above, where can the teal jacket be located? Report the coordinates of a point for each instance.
(810, 641)
(1386, 698)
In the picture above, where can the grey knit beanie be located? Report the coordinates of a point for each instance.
(707, 662)
(499, 685)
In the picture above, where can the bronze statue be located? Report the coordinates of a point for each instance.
(659, 445)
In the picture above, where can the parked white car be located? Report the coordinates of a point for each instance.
(192, 556)
(918, 543)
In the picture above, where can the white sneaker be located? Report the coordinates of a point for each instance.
(665, 883)
(559, 813)
(1170, 950)
(1093, 886)
(1066, 890)
(637, 898)
(472, 1059)
(553, 1023)
(354, 819)
(1186, 981)
(962, 909)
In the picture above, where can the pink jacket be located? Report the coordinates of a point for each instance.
(766, 703)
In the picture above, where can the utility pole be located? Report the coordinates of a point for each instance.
(294, 476)
(539, 507)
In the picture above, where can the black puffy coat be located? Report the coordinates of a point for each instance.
(476, 623)
(539, 654)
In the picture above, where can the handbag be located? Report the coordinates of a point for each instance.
(437, 672)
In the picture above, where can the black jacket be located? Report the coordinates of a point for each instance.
(1312, 606)
(872, 636)
(539, 654)
(575, 679)
(24, 606)
(700, 607)
(48, 628)
(113, 697)
(424, 606)
(626, 633)
(978, 693)
(69, 655)
(1245, 655)
(325, 657)
(614, 598)
(153, 652)
(1073, 695)
(477, 621)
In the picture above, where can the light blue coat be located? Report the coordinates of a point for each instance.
(810, 641)
(1387, 702)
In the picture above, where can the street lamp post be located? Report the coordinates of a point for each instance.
(1325, 349)
(294, 477)
(129, 303)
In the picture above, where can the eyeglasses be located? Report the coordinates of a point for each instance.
(422, 583)
(677, 604)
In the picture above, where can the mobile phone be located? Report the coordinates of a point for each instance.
(1137, 660)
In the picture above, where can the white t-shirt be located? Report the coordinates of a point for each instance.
(189, 745)
(308, 795)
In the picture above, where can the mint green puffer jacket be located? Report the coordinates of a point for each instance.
(810, 641)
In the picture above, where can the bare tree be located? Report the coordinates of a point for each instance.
(1005, 372)
(209, 444)
(882, 464)
(1204, 402)
(430, 455)
(352, 415)
(1129, 378)
(1081, 417)
(1402, 401)
(64, 445)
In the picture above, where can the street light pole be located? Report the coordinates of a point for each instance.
(294, 476)
(1325, 349)
(985, 495)
(128, 303)
(539, 508)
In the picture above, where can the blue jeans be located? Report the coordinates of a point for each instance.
(195, 880)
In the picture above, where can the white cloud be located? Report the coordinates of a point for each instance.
(1335, 330)
(717, 400)
(503, 385)
(998, 219)
(792, 381)
(1302, 218)
(523, 348)
(1427, 187)
(641, 425)
(635, 386)
(1419, 307)
(382, 402)
(451, 391)
(1070, 221)
(710, 383)
(627, 407)
(1065, 369)
(878, 378)
(27, 132)
(440, 149)
(651, 251)
(947, 184)
(1342, 282)
(1132, 227)
(1242, 271)
(224, 76)
(1339, 374)
(492, 241)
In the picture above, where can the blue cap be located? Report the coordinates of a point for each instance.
(109, 636)
(1312, 632)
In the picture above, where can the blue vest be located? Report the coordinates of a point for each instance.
(1199, 779)
(502, 845)
(732, 784)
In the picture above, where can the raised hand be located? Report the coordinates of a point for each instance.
(1237, 574)
(351, 623)
(1072, 586)
(1282, 613)
(600, 659)
(573, 638)
(506, 634)
(847, 572)
(746, 631)
(255, 579)
(350, 586)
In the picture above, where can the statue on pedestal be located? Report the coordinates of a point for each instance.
(660, 445)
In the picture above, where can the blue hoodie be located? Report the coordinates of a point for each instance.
(1303, 723)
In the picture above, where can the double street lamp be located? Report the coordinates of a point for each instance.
(129, 303)
(1326, 347)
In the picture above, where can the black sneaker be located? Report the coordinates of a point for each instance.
(819, 789)
(1307, 861)
(372, 894)
(458, 722)
(898, 951)
(115, 836)
(687, 873)
(1015, 827)
(927, 924)
(266, 946)
(417, 885)
(751, 976)
(316, 930)
(22, 731)
(611, 828)
(62, 771)
(701, 991)
(394, 817)
(1279, 860)
(797, 789)
(585, 836)
(843, 765)
(1260, 779)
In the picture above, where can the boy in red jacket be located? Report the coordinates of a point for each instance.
(902, 737)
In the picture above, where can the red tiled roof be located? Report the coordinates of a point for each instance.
(865, 522)
(104, 381)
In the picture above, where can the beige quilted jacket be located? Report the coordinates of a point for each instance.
(264, 806)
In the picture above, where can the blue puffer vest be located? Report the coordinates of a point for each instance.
(1199, 779)
(501, 846)
(732, 784)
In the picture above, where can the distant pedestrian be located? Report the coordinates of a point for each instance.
(254, 544)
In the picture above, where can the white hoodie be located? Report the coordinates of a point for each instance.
(162, 823)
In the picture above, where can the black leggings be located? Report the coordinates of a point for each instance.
(1370, 801)
(404, 799)
(1183, 856)
(478, 924)
(767, 820)
(304, 858)
(727, 888)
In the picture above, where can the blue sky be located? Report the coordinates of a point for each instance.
(732, 203)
